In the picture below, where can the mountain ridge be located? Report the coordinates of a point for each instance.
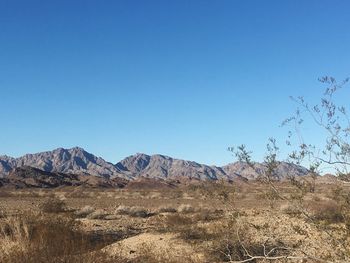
(78, 161)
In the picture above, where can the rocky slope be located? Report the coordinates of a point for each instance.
(283, 170)
(75, 161)
(30, 177)
(79, 162)
(160, 166)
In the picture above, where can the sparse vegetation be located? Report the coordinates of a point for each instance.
(333, 120)
(45, 238)
(327, 211)
(134, 211)
(167, 209)
(208, 229)
(85, 211)
(53, 205)
(185, 208)
(98, 214)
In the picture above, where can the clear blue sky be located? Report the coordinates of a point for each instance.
(181, 78)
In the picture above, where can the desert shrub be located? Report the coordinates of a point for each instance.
(327, 211)
(53, 205)
(139, 212)
(167, 209)
(290, 209)
(5, 193)
(133, 211)
(98, 214)
(122, 210)
(207, 215)
(185, 226)
(112, 217)
(232, 249)
(14, 232)
(185, 209)
(85, 211)
(270, 195)
(174, 223)
(219, 190)
(193, 232)
(233, 241)
(46, 238)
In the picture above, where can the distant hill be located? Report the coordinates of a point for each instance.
(76, 161)
(160, 166)
(30, 177)
(283, 170)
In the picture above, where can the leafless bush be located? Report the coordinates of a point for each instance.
(243, 249)
(167, 209)
(327, 211)
(194, 232)
(207, 215)
(290, 210)
(185, 208)
(174, 223)
(47, 238)
(98, 214)
(334, 153)
(122, 210)
(53, 205)
(219, 190)
(133, 211)
(85, 211)
(183, 225)
(233, 241)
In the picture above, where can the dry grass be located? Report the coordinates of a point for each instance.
(206, 222)
(207, 215)
(328, 211)
(133, 211)
(185, 208)
(98, 214)
(85, 211)
(45, 238)
(290, 209)
(53, 205)
(166, 209)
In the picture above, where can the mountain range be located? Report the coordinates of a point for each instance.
(76, 161)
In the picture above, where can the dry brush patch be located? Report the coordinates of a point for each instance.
(47, 238)
(53, 205)
(85, 211)
(133, 211)
(207, 225)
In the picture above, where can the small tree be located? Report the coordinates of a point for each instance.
(334, 121)
(330, 119)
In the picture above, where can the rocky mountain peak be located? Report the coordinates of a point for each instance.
(135, 163)
(75, 161)
(78, 161)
